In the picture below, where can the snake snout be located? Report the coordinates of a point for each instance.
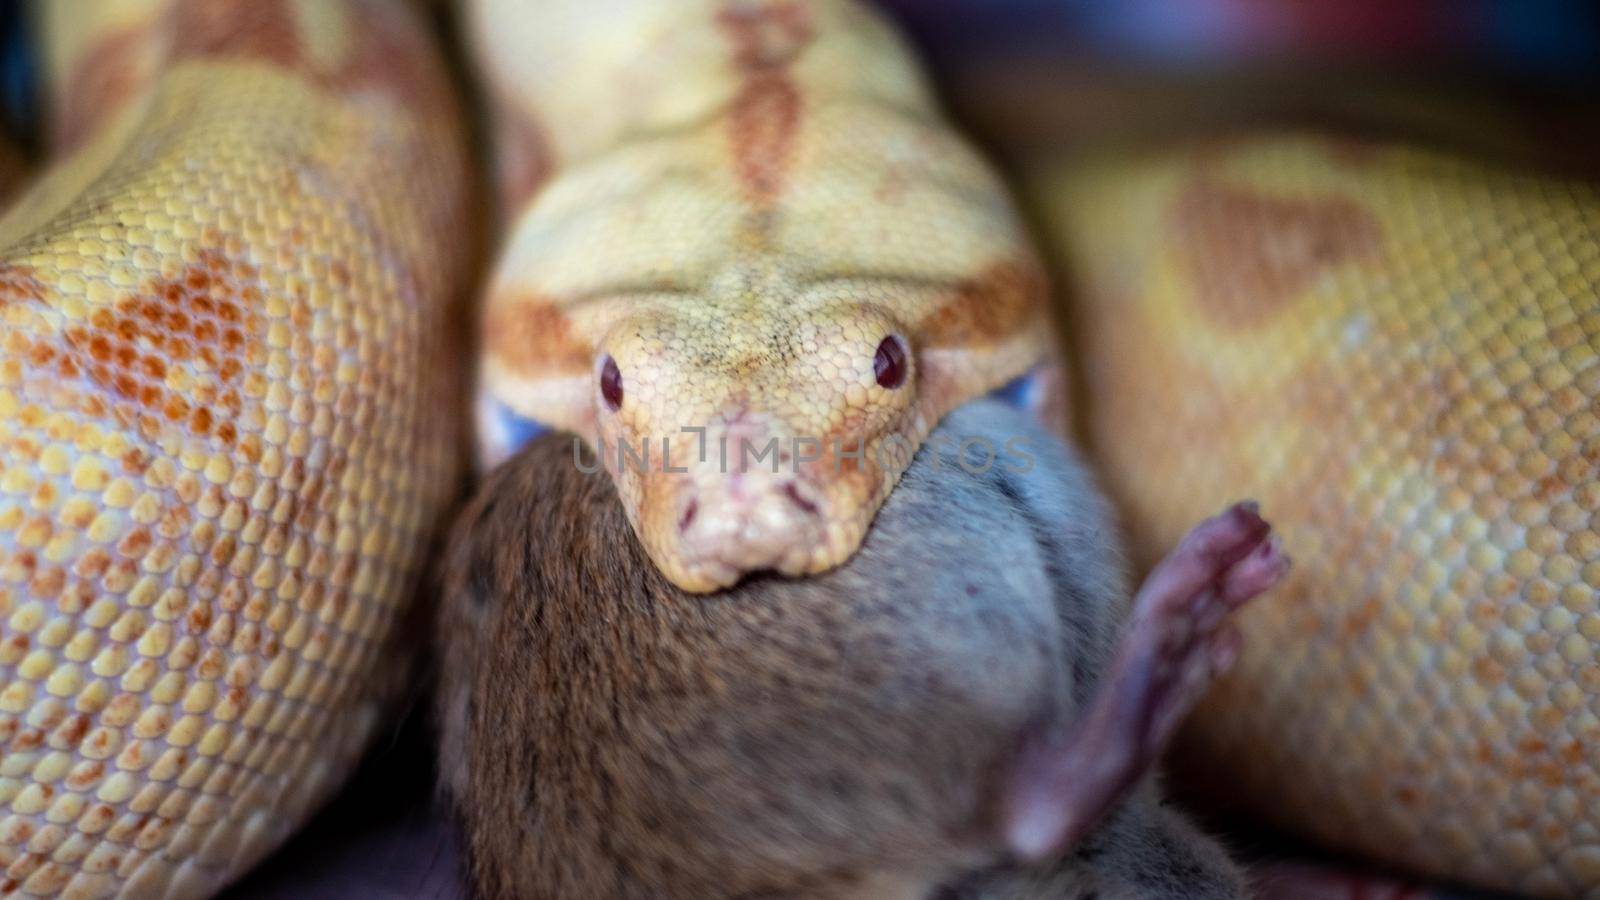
(744, 521)
(738, 497)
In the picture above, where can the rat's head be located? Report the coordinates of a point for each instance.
(759, 443)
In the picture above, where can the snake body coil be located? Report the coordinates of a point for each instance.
(1396, 350)
(222, 445)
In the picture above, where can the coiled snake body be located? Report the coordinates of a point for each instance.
(222, 437)
(1395, 349)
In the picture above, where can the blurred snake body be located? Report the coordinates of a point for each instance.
(1395, 349)
(223, 430)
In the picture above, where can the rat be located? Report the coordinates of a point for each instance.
(972, 706)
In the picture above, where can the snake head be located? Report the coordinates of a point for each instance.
(738, 449)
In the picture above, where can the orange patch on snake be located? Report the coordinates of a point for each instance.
(385, 56)
(104, 78)
(1247, 253)
(534, 338)
(257, 29)
(988, 308)
(19, 284)
(207, 315)
(765, 115)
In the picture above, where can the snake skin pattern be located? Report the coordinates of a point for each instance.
(224, 438)
(1396, 351)
(723, 213)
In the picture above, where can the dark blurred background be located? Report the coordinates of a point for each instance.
(1501, 76)
(1022, 72)
(1531, 39)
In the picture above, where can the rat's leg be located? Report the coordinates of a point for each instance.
(1175, 642)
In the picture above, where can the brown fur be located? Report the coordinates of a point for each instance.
(606, 735)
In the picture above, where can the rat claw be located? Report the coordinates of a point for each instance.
(1262, 568)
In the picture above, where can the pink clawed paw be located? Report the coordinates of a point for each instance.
(1180, 628)
(1176, 643)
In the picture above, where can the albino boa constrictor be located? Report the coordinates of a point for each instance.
(209, 513)
(1394, 349)
(225, 436)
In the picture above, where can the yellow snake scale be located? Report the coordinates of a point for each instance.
(1395, 350)
(224, 442)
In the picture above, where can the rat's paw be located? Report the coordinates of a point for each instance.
(1179, 638)
(1231, 557)
(1177, 641)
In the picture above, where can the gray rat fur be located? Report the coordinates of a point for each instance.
(605, 735)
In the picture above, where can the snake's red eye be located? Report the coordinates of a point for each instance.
(889, 364)
(611, 383)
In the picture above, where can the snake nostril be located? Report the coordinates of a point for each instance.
(793, 493)
(689, 512)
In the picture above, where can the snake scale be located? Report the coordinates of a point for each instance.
(1395, 348)
(225, 437)
(224, 395)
